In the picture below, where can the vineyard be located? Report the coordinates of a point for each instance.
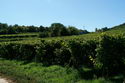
(94, 57)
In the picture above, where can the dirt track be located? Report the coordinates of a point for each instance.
(3, 81)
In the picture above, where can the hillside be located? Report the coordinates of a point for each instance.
(96, 57)
(33, 38)
(121, 26)
(120, 29)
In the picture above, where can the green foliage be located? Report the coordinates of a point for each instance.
(17, 51)
(12, 29)
(102, 29)
(73, 30)
(110, 53)
(105, 56)
(44, 34)
(42, 29)
(81, 52)
(56, 29)
(37, 73)
(52, 52)
(75, 52)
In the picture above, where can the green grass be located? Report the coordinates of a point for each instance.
(22, 72)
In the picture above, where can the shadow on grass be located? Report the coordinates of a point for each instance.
(90, 74)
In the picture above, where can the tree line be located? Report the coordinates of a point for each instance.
(56, 29)
(102, 29)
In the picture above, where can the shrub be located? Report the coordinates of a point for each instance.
(7, 51)
(81, 53)
(53, 52)
(27, 52)
(56, 52)
(15, 51)
(110, 53)
(63, 56)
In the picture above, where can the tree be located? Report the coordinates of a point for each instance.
(3, 26)
(11, 30)
(101, 30)
(64, 31)
(17, 28)
(31, 29)
(56, 29)
(83, 31)
(41, 29)
(73, 30)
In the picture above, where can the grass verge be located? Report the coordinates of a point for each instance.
(22, 72)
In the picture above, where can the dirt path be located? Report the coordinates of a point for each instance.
(3, 80)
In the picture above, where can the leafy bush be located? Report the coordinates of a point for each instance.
(81, 52)
(17, 51)
(72, 53)
(53, 52)
(111, 52)
(7, 51)
(56, 52)
(105, 55)
(63, 55)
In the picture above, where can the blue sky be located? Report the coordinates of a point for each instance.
(84, 14)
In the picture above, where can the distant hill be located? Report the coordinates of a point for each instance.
(121, 26)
